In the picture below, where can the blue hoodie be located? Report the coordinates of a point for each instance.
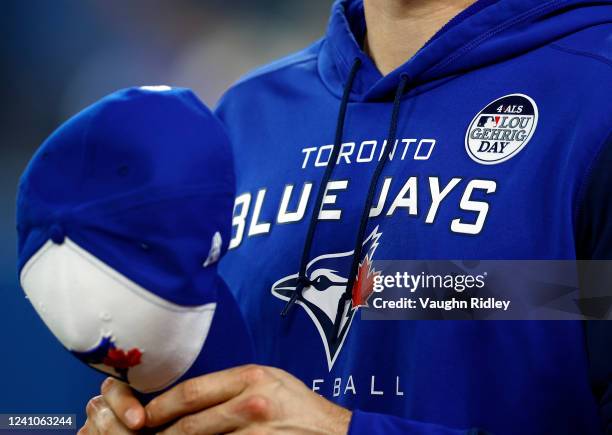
(500, 132)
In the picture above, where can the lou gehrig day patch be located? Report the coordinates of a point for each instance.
(502, 129)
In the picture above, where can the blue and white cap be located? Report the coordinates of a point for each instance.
(122, 216)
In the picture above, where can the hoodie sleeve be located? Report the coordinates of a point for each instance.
(370, 423)
(594, 216)
(594, 242)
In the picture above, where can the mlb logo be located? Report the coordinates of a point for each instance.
(488, 121)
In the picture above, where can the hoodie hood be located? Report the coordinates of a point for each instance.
(487, 32)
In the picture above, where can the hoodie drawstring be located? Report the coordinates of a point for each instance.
(303, 281)
(365, 215)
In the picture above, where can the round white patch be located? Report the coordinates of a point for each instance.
(502, 129)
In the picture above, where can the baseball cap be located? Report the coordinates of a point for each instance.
(122, 216)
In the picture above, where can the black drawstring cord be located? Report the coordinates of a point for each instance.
(303, 281)
(348, 293)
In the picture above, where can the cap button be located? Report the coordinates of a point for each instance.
(57, 234)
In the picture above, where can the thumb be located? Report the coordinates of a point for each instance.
(125, 406)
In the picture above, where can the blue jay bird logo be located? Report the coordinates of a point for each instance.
(108, 354)
(321, 299)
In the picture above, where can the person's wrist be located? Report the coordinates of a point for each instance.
(340, 421)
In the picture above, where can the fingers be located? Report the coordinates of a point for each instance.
(87, 429)
(197, 424)
(239, 412)
(254, 430)
(119, 397)
(101, 420)
(201, 392)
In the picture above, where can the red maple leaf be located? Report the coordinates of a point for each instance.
(120, 359)
(364, 284)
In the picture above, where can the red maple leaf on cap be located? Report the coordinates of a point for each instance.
(120, 359)
(364, 284)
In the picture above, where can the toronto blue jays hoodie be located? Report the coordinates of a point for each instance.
(491, 142)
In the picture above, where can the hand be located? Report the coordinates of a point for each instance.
(116, 411)
(249, 399)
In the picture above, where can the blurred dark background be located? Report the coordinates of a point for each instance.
(58, 56)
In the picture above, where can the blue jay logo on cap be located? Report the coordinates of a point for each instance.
(108, 354)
